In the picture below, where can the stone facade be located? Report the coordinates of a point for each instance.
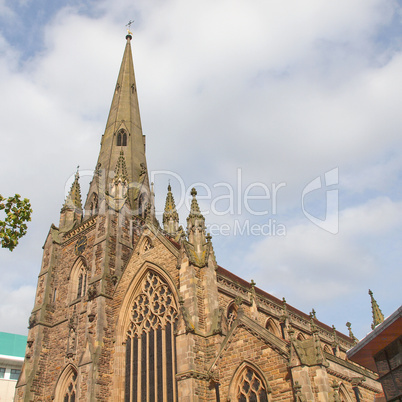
(128, 311)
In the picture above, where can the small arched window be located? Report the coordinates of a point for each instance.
(301, 337)
(121, 139)
(78, 280)
(82, 283)
(272, 327)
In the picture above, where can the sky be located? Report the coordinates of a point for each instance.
(283, 114)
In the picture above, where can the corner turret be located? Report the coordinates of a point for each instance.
(170, 215)
(196, 225)
(71, 212)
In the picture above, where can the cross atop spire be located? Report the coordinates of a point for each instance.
(129, 33)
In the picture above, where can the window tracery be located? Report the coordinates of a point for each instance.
(66, 388)
(121, 140)
(69, 395)
(250, 387)
(150, 344)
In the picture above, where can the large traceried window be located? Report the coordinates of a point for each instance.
(150, 344)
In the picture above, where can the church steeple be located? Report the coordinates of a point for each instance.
(123, 133)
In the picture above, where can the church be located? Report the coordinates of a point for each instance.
(128, 309)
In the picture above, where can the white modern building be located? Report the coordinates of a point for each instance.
(12, 352)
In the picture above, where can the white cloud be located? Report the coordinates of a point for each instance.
(16, 308)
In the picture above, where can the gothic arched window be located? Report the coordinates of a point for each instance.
(121, 139)
(69, 395)
(66, 389)
(272, 327)
(78, 280)
(344, 394)
(82, 283)
(150, 343)
(249, 386)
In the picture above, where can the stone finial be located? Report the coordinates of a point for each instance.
(351, 335)
(196, 225)
(73, 199)
(71, 212)
(195, 209)
(313, 314)
(170, 215)
(378, 316)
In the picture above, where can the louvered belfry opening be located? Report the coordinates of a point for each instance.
(150, 344)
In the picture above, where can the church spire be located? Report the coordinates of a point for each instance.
(378, 316)
(170, 215)
(123, 132)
